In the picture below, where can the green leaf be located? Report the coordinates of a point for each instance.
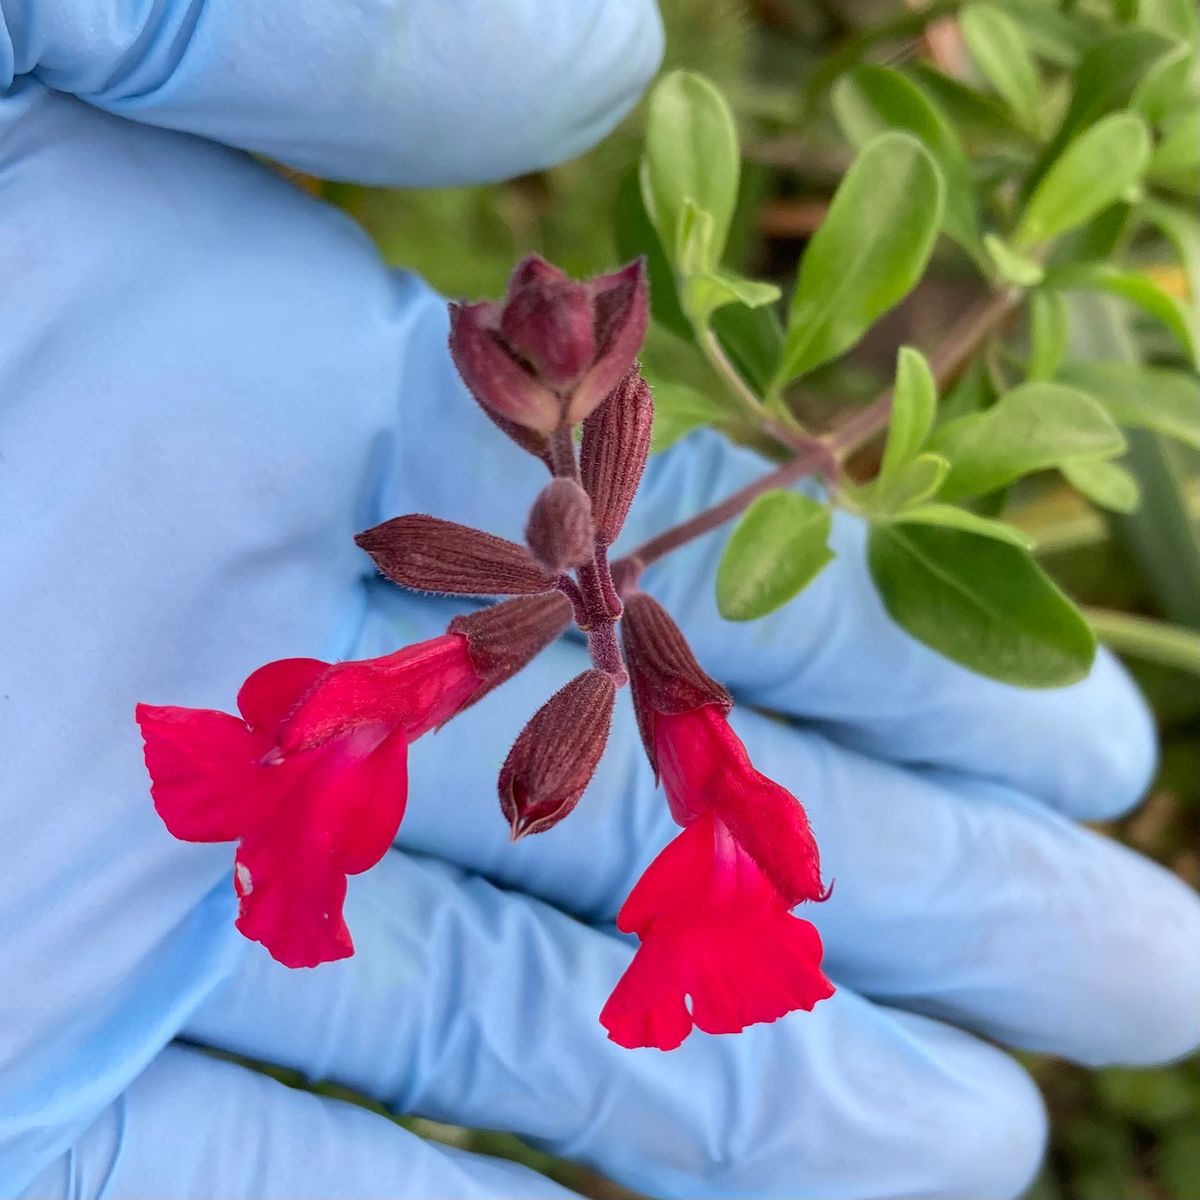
(1168, 84)
(868, 253)
(1162, 537)
(982, 602)
(1149, 640)
(1049, 329)
(1012, 267)
(909, 484)
(1175, 162)
(1134, 287)
(1050, 34)
(1168, 402)
(777, 549)
(1174, 17)
(1031, 428)
(1105, 80)
(1179, 227)
(870, 100)
(914, 405)
(949, 516)
(1096, 169)
(976, 114)
(706, 291)
(1001, 53)
(678, 409)
(634, 236)
(691, 155)
(753, 339)
(1107, 484)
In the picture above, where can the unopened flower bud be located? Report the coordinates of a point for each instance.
(547, 355)
(503, 638)
(547, 320)
(616, 441)
(431, 555)
(559, 531)
(664, 676)
(556, 754)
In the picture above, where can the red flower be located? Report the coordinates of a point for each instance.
(705, 768)
(712, 911)
(713, 930)
(311, 780)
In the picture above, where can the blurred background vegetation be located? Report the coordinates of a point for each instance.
(1117, 1134)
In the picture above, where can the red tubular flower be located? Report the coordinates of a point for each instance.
(312, 779)
(714, 931)
(713, 910)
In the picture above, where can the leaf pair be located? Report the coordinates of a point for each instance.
(873, 244)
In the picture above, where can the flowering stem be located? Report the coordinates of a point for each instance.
(824, 455)
(594, 598)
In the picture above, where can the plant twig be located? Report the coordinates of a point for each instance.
(951, 355)
(810, 460)
(741, 391)
(823, 455)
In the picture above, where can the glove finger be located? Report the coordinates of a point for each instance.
(192, 1127)
(424, 93)
(959, 898)
(477, 1006)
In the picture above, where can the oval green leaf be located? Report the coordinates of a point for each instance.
(952, 517)
(915, 481)
(1168, 402)
(914, 405)
(691, 155)
(779, 546)
(870, 100)
(1001, 53)
(1049, 330)
(1095, 170)
(1137, 289)
(982, 602)
(1107, 484)
(868, 253)
(1031, 428)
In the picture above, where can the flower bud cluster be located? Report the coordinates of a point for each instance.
(553, 354)
(311, 779)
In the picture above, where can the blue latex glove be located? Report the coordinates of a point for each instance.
(208, 383)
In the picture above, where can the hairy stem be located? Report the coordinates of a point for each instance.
(823, 455)
(594, 597)
(741, 391)
(806, 463)
(951, 355)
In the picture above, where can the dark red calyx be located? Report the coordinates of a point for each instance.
(548, 354)
(503, 638)
(432, 555)
(664, 676)
(616, 441)
(555, 756)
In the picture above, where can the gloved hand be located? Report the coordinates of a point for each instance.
(208, 384)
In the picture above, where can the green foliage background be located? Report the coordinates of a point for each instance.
(1117, 1134)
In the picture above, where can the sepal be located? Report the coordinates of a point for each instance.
(664, 675)
(616, 441)
(555, 756)
(428, 554)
